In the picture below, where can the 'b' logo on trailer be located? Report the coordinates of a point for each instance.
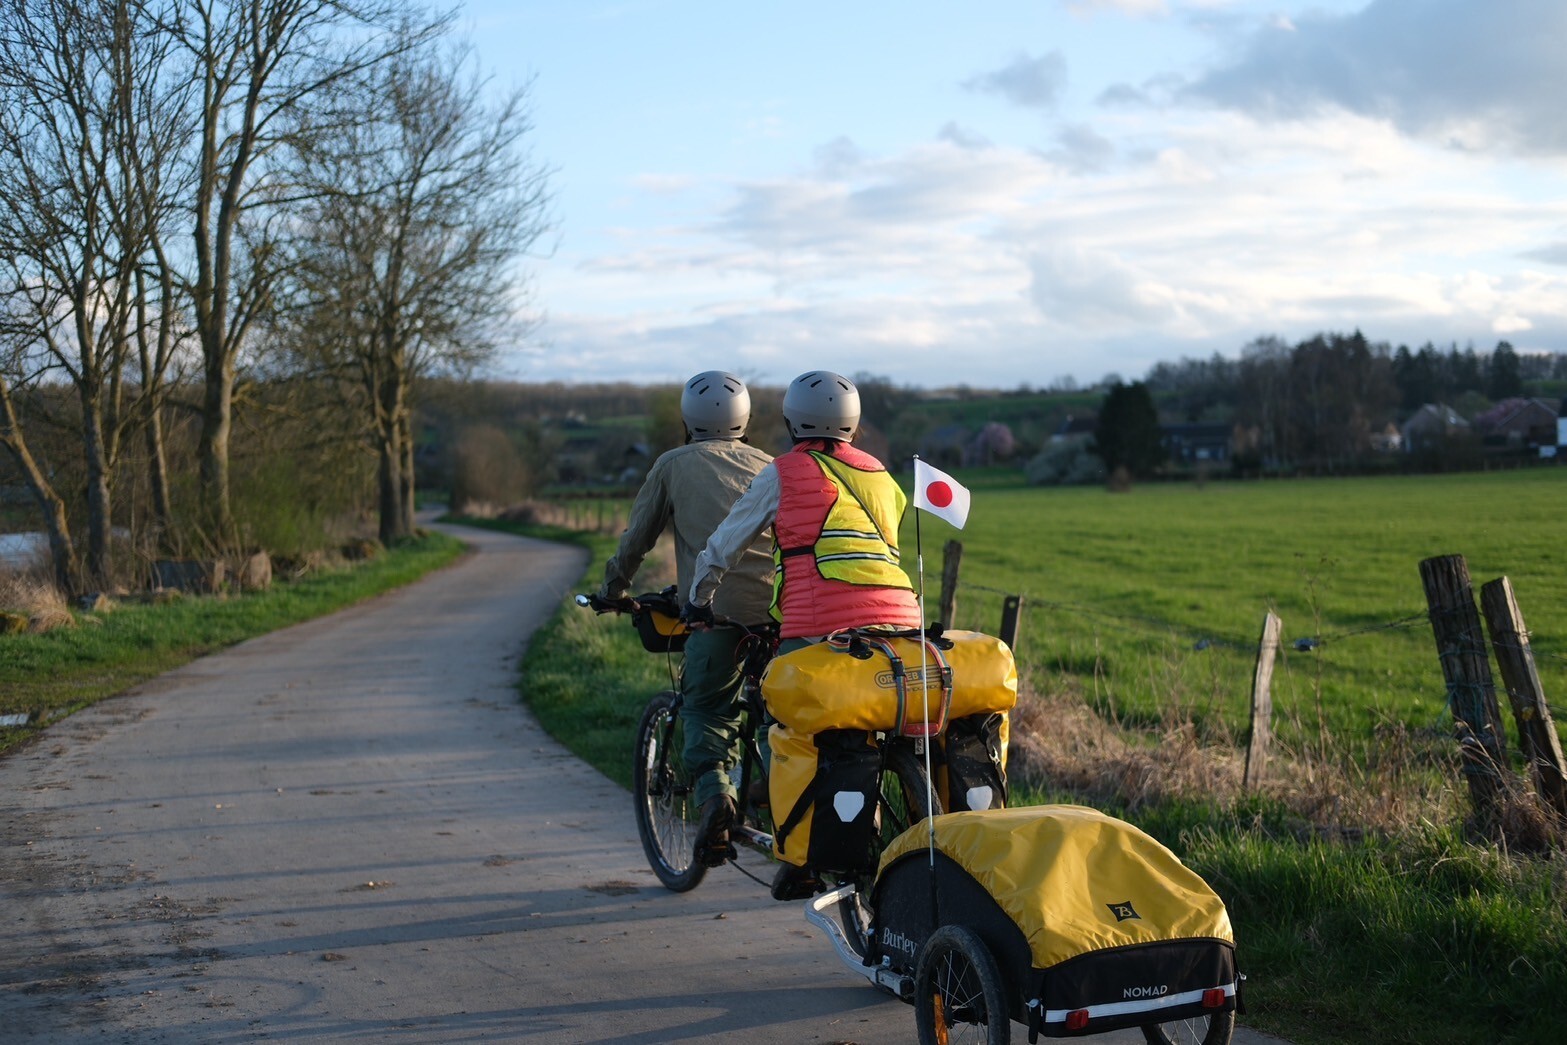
(1123, 911)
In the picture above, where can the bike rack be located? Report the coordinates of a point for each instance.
(882, 976)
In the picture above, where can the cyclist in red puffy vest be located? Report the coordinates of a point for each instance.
(834, 512)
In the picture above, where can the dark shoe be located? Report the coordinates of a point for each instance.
(712, 834)
(793, 882)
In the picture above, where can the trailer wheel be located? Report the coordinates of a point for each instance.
(958, 992)
(1202, 1030)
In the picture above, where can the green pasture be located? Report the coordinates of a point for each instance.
(1150, 603)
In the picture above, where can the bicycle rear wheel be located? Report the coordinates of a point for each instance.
(1214, 1029)
(905, 798)
(904, 802)
(665, 794)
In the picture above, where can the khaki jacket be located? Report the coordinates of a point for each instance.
(690, 490)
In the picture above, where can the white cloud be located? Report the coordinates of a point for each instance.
(1458, 73)
(1034, 83)
(1201, 232)
(1131, 7)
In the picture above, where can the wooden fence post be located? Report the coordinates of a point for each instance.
(951, 556)
(1477, 721)
(1260, 737)
(1537, 738)
(1011, 618)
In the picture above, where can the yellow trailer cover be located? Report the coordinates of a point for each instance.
(822, 687)
(1073, 879)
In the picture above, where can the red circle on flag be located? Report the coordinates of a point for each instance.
(939, 494)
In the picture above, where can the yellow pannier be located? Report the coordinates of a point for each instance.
(823, 790)
(825, 687)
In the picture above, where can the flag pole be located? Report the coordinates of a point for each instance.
(930, 782)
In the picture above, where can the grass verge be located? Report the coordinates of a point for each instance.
(1412, 937)
(50, 675)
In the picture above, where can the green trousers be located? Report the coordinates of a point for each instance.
(710, 685)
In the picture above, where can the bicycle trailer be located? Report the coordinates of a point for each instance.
(1093, 924)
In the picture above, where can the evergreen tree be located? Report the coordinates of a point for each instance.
(1503, 378)
(1127, 433)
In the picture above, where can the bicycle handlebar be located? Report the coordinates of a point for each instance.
(599, 604)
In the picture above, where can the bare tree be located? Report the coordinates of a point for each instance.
(263, 66)
(409, 257)
(73, 86)
(62, 550)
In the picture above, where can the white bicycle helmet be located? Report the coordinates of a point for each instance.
(822, 405)
(715, 405)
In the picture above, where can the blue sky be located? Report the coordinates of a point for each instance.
(1002, 192)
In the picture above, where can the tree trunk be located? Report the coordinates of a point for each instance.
(217, 420)
(158, 477)
(389, 484)
(153, 363)
(62, 552)
(389, 392)
(98, 497)
(407, 438)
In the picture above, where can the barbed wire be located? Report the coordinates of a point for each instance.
(1202, 640)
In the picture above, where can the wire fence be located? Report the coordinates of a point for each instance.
(1201, 640)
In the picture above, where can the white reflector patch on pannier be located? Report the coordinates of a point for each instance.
(848, 804)
(979, 797)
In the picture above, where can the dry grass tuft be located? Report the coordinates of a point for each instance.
(49, 620)
(30, 594)
(1059, 744)
(1400, 780)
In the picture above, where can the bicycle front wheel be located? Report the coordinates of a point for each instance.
(665, 794)
(1213, 1029)
(958, 992)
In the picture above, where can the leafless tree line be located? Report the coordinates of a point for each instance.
(198, 194)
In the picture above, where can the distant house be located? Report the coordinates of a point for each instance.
(1388, 441)
(1198, 442)
(1518, 424)
(945, 446)
(1079, 426)
(1430, 427)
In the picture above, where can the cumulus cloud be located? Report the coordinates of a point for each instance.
(1462, 74)
(1131, 7)
(962, 137)
(1034, 83)
(1095, 290)
(1082, 150)
(1025, 266)
(1555, 254)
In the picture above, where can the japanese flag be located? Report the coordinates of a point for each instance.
(940, 494)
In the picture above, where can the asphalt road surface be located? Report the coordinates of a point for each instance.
(352, 830)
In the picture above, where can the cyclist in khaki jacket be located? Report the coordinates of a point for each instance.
(690, 490)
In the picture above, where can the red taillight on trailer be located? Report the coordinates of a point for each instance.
(1213, 998)
(1077, 1019)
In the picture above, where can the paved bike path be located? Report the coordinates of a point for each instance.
(350, 830)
